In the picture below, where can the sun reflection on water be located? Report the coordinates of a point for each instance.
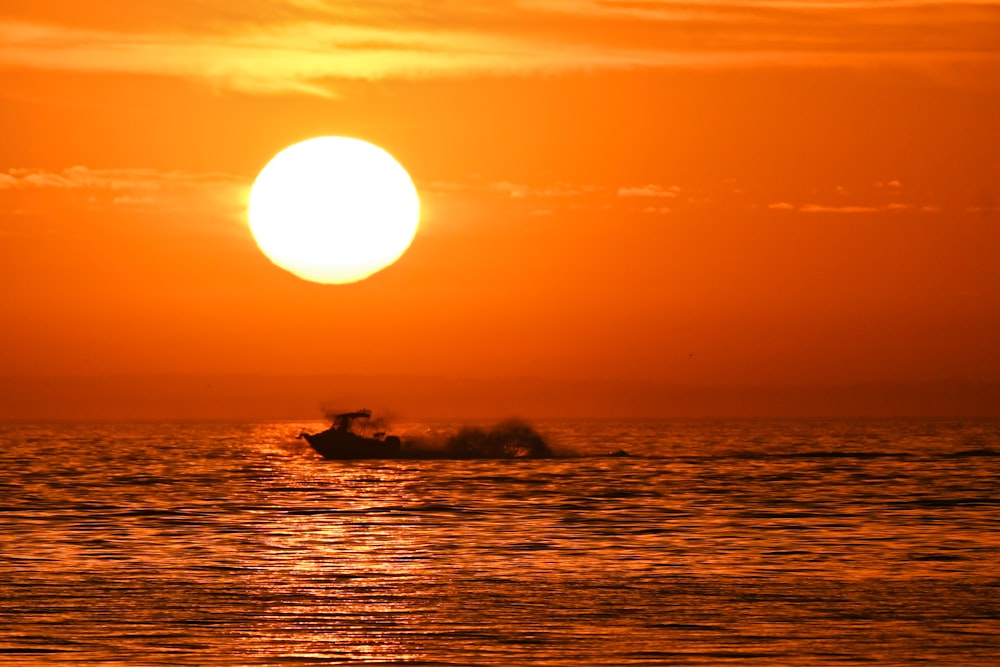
(341, 571)
(232, 544)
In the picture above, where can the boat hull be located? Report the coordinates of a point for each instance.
(341, 445)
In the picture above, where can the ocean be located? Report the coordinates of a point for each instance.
(714, 543)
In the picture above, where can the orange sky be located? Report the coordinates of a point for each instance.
(746, 196)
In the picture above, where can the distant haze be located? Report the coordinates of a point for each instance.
(307, 398)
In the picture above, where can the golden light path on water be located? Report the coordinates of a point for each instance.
(323, 554)
(745, 542)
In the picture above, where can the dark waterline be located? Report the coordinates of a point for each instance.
(793, 543)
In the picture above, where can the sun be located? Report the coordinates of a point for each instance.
(333, 209)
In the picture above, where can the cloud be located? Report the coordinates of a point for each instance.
(130, 189)
(514, 190)
(301, 57)
(307, 46)
(112, 179)
(520, 190)
(873, 26)
(650, 191)
(852, 208)
(652, 198)
(563, 195)
(820, 208)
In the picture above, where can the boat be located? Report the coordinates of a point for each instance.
(347, 438)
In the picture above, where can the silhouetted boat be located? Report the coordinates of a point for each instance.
(348, 438)
(343, 441)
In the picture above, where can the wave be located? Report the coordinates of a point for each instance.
(511, 439)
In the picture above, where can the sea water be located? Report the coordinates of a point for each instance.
(714, 543)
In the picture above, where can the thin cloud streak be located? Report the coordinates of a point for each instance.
(304, 47)
(649, 198)
(852, 208)
(297, 58)
(113, 179)
(34, 191)
(651, 190)
(226, 194)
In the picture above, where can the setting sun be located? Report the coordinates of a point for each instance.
(333, 209)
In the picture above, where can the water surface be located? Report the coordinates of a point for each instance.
(792, 543)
